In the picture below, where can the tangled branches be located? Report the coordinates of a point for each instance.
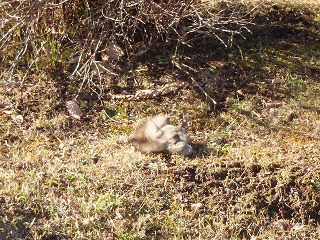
(85, 36)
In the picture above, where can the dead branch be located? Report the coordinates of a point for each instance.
(149, 93)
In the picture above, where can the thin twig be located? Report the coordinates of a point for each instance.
(184, 68)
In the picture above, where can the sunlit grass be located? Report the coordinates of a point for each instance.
(254, 174)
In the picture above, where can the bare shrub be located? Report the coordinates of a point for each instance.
(77, 34)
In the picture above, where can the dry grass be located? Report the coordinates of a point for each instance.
(254, 174)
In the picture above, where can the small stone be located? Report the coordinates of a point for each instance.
(292, 115)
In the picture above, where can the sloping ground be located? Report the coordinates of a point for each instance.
(255, 173)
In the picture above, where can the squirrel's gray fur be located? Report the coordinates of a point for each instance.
(157, 135)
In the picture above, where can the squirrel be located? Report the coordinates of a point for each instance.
(157, 135)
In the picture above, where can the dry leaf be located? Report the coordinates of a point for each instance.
(278, 79)
(241, 92)
(74, 109)
(196, 206)
(8, 112)
(216, 64)
(112, 52)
